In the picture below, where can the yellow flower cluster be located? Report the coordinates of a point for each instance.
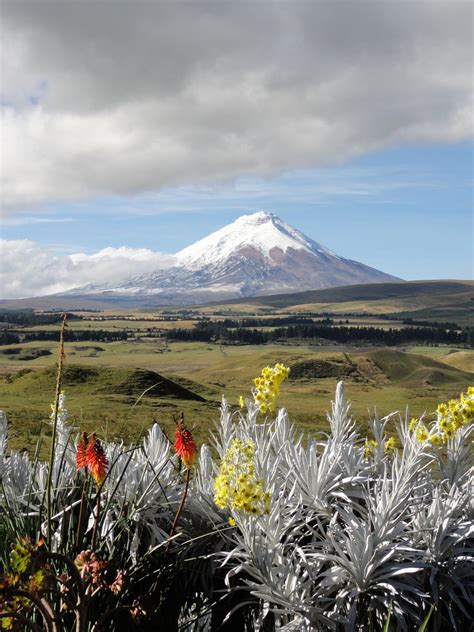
(450, 417)
(236, 485)
(370, 444)
(267, 386)
(389, 445)
(421, 433)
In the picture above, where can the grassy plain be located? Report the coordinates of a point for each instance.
(108, 393)
(118, 388)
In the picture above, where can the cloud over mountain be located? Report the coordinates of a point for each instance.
(208, 91)
(29, 270)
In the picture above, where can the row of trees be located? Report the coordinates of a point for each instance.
(29, 318)
(216, 331)
(267, 322)
(226, 331)
(94, 335)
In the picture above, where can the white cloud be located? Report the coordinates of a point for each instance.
(100, 97)
(30, 270)
(28, 220)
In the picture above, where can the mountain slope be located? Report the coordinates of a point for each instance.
(398, 296)
(256, 254)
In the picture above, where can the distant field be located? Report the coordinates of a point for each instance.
(145, 327)
(118, 388)
(119, 324)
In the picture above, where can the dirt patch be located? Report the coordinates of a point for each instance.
(369, 370)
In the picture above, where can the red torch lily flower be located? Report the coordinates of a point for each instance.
(81, 461)
(184, 444)
(96, 459)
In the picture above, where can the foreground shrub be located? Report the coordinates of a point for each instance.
(268, 530)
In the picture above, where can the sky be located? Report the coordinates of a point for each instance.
(132, 129)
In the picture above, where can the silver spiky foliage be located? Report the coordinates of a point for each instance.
(348, 541)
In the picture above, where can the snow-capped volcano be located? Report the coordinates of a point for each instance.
(255, 255)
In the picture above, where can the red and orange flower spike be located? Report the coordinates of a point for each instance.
(184, 444)
(96, 460)
(81, 462)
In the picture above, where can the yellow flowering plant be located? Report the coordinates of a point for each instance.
(450, 418)
(267, 386)
(237, 486)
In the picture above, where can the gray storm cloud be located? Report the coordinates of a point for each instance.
(123, 98)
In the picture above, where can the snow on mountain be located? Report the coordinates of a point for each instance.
(262, 231)
(255, 255)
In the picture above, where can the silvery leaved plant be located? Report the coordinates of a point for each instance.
(265, 529)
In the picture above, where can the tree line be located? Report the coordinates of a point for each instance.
(229, 323)
(29, 318)
(232, 332)
(95, 335)
(343, 334)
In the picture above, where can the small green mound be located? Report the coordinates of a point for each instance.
(151, 384)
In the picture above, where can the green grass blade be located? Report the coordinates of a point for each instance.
(387, 622)
(427, 618)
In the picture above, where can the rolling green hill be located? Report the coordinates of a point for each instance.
(463, 360)
(407, 296)
(410, 369)
(119, 401)
(127, 383)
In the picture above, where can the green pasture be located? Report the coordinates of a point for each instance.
(108, 386)
(119, 388)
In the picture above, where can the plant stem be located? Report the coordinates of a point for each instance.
(81, 517)
(81, 602)
(96, 523)
(53, 436)
(181, 505)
